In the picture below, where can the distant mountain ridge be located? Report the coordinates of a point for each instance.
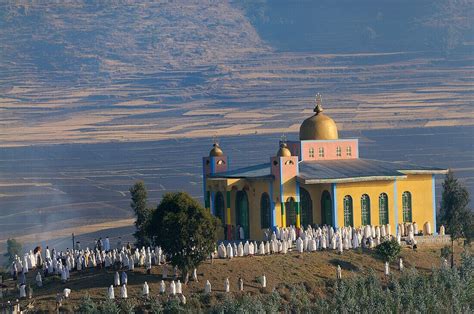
(347, 26)
(80, 71)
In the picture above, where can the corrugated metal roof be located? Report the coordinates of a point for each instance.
(252, 172)
(328, 171)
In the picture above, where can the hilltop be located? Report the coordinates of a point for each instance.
(316, 271)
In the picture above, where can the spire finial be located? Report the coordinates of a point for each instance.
(319, 103)
(215, 141)
(283, 139)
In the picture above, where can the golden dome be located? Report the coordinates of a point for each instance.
(216, 151)
(284, 151)
(319, 126)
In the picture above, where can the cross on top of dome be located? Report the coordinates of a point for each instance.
(319, 102)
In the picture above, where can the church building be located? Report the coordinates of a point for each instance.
(317, 180)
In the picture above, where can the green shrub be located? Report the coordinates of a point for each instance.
(155, 306)
(388, 250)
(127, 306)
(87, 305)
(173, 306)
(109, 307)
(446, 251)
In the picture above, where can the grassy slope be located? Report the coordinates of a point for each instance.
(314, 269)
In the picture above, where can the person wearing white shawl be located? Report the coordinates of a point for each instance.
(371, 243)
(402, 229)
(388, 230)
(124, 278)
(66, 293)
(123, 292)
(221, 251)
(226, 285)
(284, 247)
(267, 247)
(261, 249)
(400, 264)
(145, 290)
(355, 239)
(246, 248)
(172, 288)
(116, 279)
(305, 243)
(240, 250)
(39, 280)
(47, 253)
(383, 232)
(179, 287)
(338, 272)
(324, 242)
(264, 281)
(162, 287)
(442, 230)
(346, 242)
(110, 293)
(411, 237)
(240, 284)
(230, 251)
(25, 264)
(299, 245)
(399, 238)
(387, 269)
(131, 263)
(208, 288)
(63, 275)
(293, 234)
(312, 245)
(195, 275)
(165, 272)
(334, 242)
(22, 291)
(377, 232)
(251, 249)
(340, 246)
(427, 228)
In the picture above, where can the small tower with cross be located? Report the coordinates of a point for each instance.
(284, 167)
(216, 162)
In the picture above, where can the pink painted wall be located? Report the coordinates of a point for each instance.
(330, 148)
(218, 167)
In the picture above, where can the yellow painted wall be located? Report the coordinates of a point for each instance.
(371, 188)
(420, 187)
(257, 188)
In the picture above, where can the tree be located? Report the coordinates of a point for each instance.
(143, 214)
(13, 249)
(389, 250)
(185, 230)
(455, 213)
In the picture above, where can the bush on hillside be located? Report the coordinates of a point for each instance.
(389, 250)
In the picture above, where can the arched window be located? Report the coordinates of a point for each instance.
(265, 211)
(348, 211)
(365, 209)
(311, 152)
(383, 209)
(242, 212)
(290, 208)
(406, 205)
(326, 208)
(306, 208)
(219, 207)
(338, 151)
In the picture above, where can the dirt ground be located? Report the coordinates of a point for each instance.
(314, 268)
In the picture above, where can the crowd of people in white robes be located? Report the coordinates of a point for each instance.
(283, 240)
